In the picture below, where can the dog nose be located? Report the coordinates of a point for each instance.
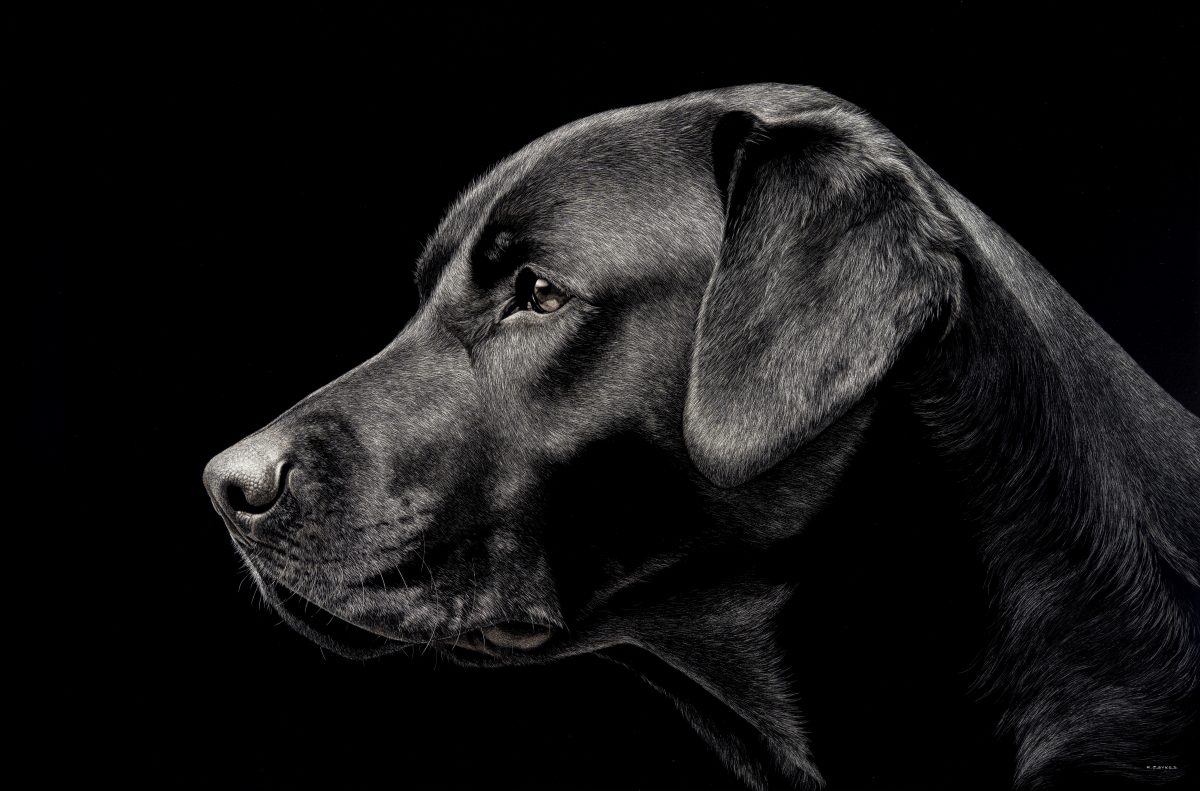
(247, 479)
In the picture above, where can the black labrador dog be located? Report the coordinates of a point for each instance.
(703, 386)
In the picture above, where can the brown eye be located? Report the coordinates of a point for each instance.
(535, 293)
(545, 297)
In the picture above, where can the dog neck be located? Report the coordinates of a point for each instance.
(1025, 451)
(1082, 478)
(715, 655)
(754, 650)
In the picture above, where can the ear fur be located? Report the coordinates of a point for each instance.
(833, 258)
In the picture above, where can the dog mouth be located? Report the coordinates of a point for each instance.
(503, 640)
(324, 627)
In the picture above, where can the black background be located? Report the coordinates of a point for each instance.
(223, 205)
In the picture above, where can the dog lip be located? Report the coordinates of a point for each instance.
(500, 641)
(329, 630)
(325, 628)
(517, 636)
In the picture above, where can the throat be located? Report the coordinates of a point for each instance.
(715, 655)
(845, 648)
(740, 746)
(887, 628)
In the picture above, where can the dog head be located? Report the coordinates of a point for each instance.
(640, 339)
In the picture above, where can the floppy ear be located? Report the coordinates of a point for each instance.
(833, 258)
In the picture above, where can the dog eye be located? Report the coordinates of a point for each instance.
(537, 293)
(545, 297)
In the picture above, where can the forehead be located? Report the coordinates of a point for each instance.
(625, 190)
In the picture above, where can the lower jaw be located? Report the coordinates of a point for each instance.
(507, 640)
(517, 636)
(502, 641)
(326, 629)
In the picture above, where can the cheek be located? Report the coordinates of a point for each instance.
(555, 387)
(539, 377)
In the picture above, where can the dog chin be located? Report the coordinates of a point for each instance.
(500, 643)
(496, 643)
(324, 627)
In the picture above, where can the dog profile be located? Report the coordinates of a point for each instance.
(685, 380)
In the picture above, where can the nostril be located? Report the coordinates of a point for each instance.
(259, 496)
(248, 479)
(238, 502)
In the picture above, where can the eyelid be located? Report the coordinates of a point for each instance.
(520, 302)
(565, 282)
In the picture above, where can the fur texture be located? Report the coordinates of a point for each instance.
(790, 328)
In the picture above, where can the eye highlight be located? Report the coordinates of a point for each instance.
(547, 297)
(537, 294)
